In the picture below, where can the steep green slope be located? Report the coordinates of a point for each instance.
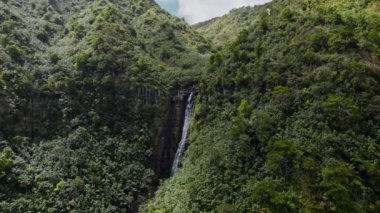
(49, 29)
(288, 118)
(83, 88)
(225, 29)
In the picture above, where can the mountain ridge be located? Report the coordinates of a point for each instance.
(225, 29)
(93, 95)
(286, 119)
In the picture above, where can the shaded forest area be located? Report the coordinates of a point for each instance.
(287, 115)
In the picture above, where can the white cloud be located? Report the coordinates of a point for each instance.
(200, 10)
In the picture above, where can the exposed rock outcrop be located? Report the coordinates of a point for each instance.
(169, 133)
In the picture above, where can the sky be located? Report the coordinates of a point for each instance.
(195, 11)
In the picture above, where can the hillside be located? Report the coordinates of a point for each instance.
(61, 28)
(84, 90)
(288, 118)
(225, 29)
(97, 97)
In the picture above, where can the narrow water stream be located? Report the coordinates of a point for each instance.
(185, 132)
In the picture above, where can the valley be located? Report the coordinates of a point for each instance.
(118, 106)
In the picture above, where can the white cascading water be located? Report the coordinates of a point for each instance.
(185, 133)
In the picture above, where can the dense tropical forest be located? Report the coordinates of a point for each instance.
(93, 95)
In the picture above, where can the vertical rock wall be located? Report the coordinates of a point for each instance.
(169, 132)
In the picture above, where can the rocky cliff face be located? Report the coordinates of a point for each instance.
(169, 132)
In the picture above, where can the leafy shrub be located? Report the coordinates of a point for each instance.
(16, 52)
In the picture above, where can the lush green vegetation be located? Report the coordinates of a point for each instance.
(83, 172)
(288, 118)
(287, 115)
(225, 29)
(83, 88)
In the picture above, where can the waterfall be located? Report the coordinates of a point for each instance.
(185, 132)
